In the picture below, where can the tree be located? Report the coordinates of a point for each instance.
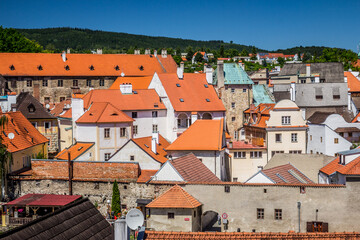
(190, 53)
(306, 57)
(12, 41)
(264, 63)
(177, 59)
(244, 53)
(222, 51)
(199, 57)
(5, 156)
(281, 61)
(115, 200)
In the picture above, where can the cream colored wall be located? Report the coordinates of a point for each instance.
(244, 168)
(17, 161)
(65, 135)
(89, 155)
(286, 145)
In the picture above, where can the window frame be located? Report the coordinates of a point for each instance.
(260, 213)
(135, 129)
(171, 215)
(107, 156)
(45, 125)
(294, 138)
(106, 133)
(285, 120)
(278, 214)
(75, 83)
(101, 82)
(155, 128)
(45, 83)
(134, 114)
(88, 82)
(123, 132)
(154, 114)
(28, 83)
(60, 83)
(276, 137)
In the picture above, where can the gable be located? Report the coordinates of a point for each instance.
(259, 177)
(167, 173)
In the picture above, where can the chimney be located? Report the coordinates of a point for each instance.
(230, 144)
(209, 74)
(180, 71)
(349, 101)
(164, 53)
(308, 71)
(220, 74)
(317, 79)
(155, 53)
(36, 91)
(126, 88)
(68, 51)
(193, 117)
(99, 51)
(156, 137)
(63, 56)
(137, 51)
(292, 91)
(345, 79)
(154, 142)
(147, 51)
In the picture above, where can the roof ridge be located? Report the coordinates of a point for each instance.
(186, 196)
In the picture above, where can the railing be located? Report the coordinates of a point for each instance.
(19, 220)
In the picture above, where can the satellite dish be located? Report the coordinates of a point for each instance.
(11, 135)
(122, 74)
(134, 219)
(47, 106)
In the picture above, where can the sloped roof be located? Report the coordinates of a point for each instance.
(145, 144)
(175, 197)
(356, 118)
(261, 94)
(352, 168)
(353, 82)
(26, 64)
(60, 108)
(233, 74)
(23, 102)
(202, 135)
(79, 220)
(141, 100)
(264, 111)
(168, 63)
(194, 90)
(146, 175)
(44, 200)
(244, 145)
(286, 174)
(104, 112)
(75, 150)
(319, 117)
(136, 82)
(192, 169)
(26, 135)
(66, 114)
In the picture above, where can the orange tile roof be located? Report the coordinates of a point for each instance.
(136, 82)
(356, 118)
(244, 145)
(75, 150)
(175, 197)
(66, 114)
(168, 63)
(104, 112)
(26, 135)
(357, 63)
(281, 174)
(202, 135)
(146, 175)
(352, 168)
(160, 148)
(144, 99)
(152, 235)
(263, 109)
(27, 64)
(60, 107)
(193, 91)
(353, 82)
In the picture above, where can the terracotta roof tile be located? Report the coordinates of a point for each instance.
(175, 197)
(202, 135)
(193, 91)
(160, 148)
(26, 135)
(66, 114)
(352, 168)
(286, 174)
(356, 118)
(75, 150)
(353, 82)
(44, 200)
(136, 82)
(60, 107)
(168, 63)
(146, 175)
(193, 170)
(244, 145)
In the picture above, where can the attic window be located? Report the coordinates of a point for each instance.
(40, 68)
(31, 108)
(117, 68)
(156, 105)
(206, 86)
(12, 68)
(181, 100)
(92, 68)
(135, 92)
(141, 68)
(208, 100)
(67, 68)
(146, 146)
(114, 114)
(4, 133)
(178, 85)
(80, 148)
(17, 132)
(90, 114)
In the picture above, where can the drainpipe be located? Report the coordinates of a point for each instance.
(299, 207)
(70, 167)
(215, 161)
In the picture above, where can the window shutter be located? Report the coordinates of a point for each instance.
(309, 227)
(325, 227)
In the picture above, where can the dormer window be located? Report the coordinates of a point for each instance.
(67, 68)
(181, 100)
(206, 86)
(91, 68)
(40, 68)
(141, 68)
(12, 68)
(208, 100)
(31, 108)
(178, 85)
(117, 68)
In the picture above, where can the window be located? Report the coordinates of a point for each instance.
(285, 120)
(62, 99)
(232, 105)
(101, 82)
(91, 68)
(336, 93)
(233, 90)
(45, 83)
(227, 189)
(132, 157)
(235, 179)
(233, 119)
(182, 121)
(194, 213)
(295, 151)
(107, 156)
(135, 129)
(256, 154)
(336, 97)
(60, 83)
(239, 154)
(236, 135)
(154, 114)
(350, 134)
(178, 85)
(278, 137)
(244, 89)
(294, 137)
(303, 81)
(274, 152)
(134, 115)
(88, 83)
(47, 125)
(181, 100)
(319, 97)
(278, 214)
(318, 94)
(67, 68)
(207, 100)
(336, 140)
(171, 215)
(107, 133)
(29, 83)
(260, 213)
(154, 128)
(75, 83)
(122, 132)
(320, 139)
(310, 137)
(46, 99)
(34, 124)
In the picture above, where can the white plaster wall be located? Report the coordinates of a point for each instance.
(86, 133)
(323, 178)
(314, 139)
(89, 155)
(335, 121)
(331, 148)
(296, 117)
(167, 173)
(115, 141)
(259, 178)
(160, 222)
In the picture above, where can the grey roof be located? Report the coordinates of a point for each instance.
(24, 100)
(350, 152)
(80, 220)
(331, 72)
(319, 117)
(281, 96)
(308, 164)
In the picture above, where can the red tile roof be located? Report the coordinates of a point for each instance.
(202, 135)
(146, 175)
(142, 100)
(152, 235)
(193, 170)
(60, 107)
(281, 174)
(75, 150)
(357, 63)
(104, 112)
(44, 200)
(244, 145)
(25, 134)
(193, 91)
(261, 113)
(353, 82)
(168, 63)
(145, 144)
(175, 197)
(352, 168)
(356, 118)
(136, 82)
(26, 64)
(66, 114)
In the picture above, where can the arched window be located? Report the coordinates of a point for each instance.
(206, 116)
(182, 120)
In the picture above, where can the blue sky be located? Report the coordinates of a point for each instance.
(265, 24)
